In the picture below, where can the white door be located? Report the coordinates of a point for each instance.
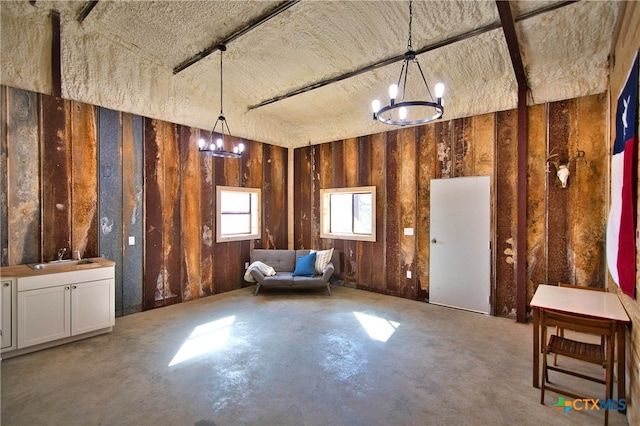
(460, 259)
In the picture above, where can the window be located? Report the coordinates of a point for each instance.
(348, 213)
(238, 215)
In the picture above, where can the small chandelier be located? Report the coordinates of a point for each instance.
(217, 149)
(407, 112)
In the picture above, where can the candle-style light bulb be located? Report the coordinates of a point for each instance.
(393, 91)
(219, 143)
(375, 106)
(402, 113)
(240, 148)
(439, 88)
(201, 144)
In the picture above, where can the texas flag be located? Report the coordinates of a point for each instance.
(621, 228)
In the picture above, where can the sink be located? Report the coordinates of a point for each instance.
(60, 263)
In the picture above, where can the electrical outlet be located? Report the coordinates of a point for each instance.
(408, 231)
(132, 241)
(408, 274)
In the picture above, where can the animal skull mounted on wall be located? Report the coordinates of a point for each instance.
(562, 170)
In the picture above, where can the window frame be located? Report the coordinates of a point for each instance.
(255, 212)
(325, 213)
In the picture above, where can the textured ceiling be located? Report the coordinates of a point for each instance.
(122, 56)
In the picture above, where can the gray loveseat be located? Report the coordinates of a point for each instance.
(284, 263)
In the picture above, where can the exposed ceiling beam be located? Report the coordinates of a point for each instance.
(545, 9)
(214, 47)
(378, 64)
(86, 10)
(56, 67)
(509, 28)
(399, 58)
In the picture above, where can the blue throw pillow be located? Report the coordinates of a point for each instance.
(305, 266)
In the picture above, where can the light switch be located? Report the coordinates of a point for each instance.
(132, 241)
(408, 231)
(408, 274)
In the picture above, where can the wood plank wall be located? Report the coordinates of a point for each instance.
(99, 175)
(565, 226)
(88, 178)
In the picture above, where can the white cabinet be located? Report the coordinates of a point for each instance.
(44, 315)
(48, 308)
(52, 313)
(92, 306)
(7, 315)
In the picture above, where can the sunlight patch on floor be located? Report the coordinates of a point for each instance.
(204, 338)
(378, 328)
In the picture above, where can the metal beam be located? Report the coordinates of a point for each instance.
(509, 28)
(545, 9)
(379, 64)
(86, 10)
(399, 58)
(214, 47)
(56, 63)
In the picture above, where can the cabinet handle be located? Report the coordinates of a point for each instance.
(6, 284)
(74, 287)
(66, 288)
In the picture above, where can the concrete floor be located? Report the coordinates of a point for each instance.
(292, 358)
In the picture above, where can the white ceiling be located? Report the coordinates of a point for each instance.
(123, 54)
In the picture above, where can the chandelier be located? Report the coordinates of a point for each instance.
(406, 112)
(217, 149)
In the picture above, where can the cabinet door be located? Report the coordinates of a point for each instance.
(43, 315)
(6, 293)
(92, 306)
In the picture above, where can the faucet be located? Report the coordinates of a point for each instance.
(61, 253)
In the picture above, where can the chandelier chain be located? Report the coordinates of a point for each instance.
(409, 47)
(221, 83)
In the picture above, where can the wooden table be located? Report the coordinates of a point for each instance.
(593, 304)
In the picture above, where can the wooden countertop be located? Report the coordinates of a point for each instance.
(26, 271)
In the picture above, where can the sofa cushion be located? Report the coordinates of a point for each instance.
(280, 260)
(279, 279)
(323, 257)
(308, 281)
(335, 258)
(305, 266)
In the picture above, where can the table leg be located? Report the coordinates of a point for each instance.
(621, 355)
(536, 348)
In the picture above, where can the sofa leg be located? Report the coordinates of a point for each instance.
(255, 293)
(329, 289)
